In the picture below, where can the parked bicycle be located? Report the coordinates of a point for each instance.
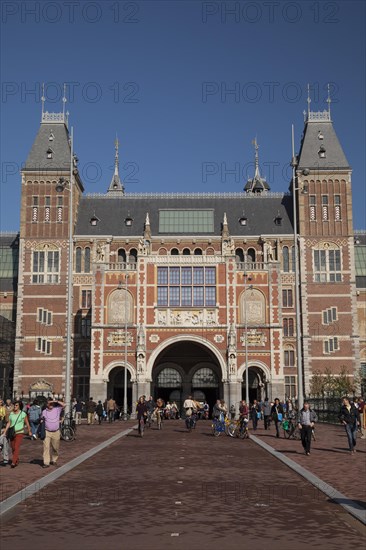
(220, 425)
(290, 429)
(68, 428)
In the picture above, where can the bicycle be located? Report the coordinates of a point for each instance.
(149, 419)
(239, 428)
(191, 422)
(291, 429)
(219, 426)
(68, 428)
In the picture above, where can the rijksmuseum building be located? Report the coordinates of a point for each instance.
(184, 290)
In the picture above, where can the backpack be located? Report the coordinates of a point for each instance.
(34, 413)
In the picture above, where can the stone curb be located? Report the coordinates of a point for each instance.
(33, 488)
(351, 506)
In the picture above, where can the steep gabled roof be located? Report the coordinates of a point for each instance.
(319, 133)
(54, 137)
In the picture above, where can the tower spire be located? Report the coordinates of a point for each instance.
(43, 99)
(308, 100)
(116, 186)
(256, 158)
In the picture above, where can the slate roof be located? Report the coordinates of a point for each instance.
(309, 152)
(37, 158)
(260, 211)
(9, 258)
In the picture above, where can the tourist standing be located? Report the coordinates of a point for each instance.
(306, 420)
(99, 410)
(51, 443)
(78, 408)
(277, 415)
(254, 413)
(349, 416)
(266, 409)
(17, 419)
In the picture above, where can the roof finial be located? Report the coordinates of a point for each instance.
(329, 100)
(116, 159)
(309, 100)
(256, 147)
(64, 101)
(147, 219)
(43, 99)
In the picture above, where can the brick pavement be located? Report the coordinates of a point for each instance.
(30, 470)
(330, 459)
(181, 490)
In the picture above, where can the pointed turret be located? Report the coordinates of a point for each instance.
(116, 186)
(257, 184)
(320, 148)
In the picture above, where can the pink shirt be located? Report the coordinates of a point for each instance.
(52, 418)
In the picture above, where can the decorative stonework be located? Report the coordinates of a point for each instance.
(288, 278)
(120, 307)
(218, 338)
(83, 279)
(154, 338)
(255, 338)
(118, 338)
(41, 386)
(187, 318)
(254, 302)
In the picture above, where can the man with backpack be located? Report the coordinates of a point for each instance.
(34, 415)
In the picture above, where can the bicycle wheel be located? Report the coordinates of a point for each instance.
(244, 433)
(142, 427)
(67, 433)
(231, 429)
(313, 434)
(296, 433)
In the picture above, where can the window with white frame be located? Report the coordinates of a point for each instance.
(35, 205)
(44, 316)
(46, 266)
(287, 298)
(44, 346)
(325, 208)
(327, 265)
(288, 327)
(290, 386)
(59, 209)
(331, 345)
(86, 298)
(337, 208)
(289, 357)
(47, 209)
(329, 315)
(186, 286)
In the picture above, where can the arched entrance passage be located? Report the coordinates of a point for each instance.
(116, 384)
(257, 384)
(184, 368)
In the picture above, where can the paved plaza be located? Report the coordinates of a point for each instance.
(173, 489)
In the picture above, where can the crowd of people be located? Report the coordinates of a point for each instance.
(44, 421)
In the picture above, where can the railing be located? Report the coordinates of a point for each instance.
(326, 408)
(122, 266)
(251, 266)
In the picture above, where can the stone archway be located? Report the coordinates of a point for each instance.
(259, 381)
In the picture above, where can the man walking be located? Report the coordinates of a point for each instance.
(349, 416)
(111, 409)
(306, 421)
(266, 409)
(90, 409)
(51, 417)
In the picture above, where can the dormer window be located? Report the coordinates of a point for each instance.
(51, 137)
(128, 221)
(320, 135)
(278, 220)
(243, 220)
(49, 153)
(94, 220)
(322, 152)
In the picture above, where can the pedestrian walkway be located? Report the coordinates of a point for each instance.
(179, 490)
(329, 460)
(30, 467)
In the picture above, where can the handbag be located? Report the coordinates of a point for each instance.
(259, 415)
(41, 430)
(10, 434)
(279, 417)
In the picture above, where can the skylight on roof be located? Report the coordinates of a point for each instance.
(186, 221)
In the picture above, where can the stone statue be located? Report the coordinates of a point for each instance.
(232, 363)
(100, 253)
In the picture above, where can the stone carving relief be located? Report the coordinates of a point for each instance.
(255, 304)
(100, 253)
(120, 307)
(218, 338)
(255, 338)
(118, 338)
(154, 338)
(190, 318)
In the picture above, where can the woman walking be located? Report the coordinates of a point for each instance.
(349, 416)
(17, 420)
(277, 414)
(141, 410)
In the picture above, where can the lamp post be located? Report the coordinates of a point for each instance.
(246, 332)
(300, 382)
(61, 185)
(125, 371)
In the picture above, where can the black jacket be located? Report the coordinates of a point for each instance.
(275, 410)
(349, 416)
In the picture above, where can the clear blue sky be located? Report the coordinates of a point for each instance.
(158, 73)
